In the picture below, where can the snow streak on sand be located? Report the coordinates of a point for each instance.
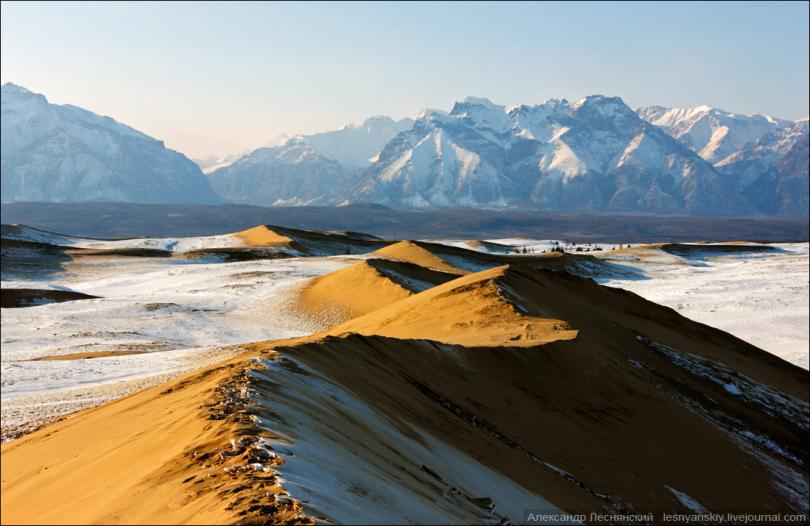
(154, 319)
(385, 484)
(762, 298)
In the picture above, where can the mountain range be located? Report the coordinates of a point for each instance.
(595, 154)
(62, 153)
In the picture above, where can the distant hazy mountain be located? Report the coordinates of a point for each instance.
(214, 162)
(306, 169)
(595, 154)
(710, 132)
(64, 153)
(292, 174)
(357, 146)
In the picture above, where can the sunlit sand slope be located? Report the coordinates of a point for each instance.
(364, 287)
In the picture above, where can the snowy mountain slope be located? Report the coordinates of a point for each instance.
(292, 174)
(783, 189)
(710, 132)
(64, 153)
(595, 154)
(305, 169)
(761, 156)
(355, 145)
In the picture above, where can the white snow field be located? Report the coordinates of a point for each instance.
(515, 245)
(174, 315)
(763, 299)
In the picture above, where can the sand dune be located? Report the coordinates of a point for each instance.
(564, 395)
(312, 243)
(714, 249)
(32, 297)
(445, 395)
(461, 260)
(365, 287)
(475, 310)
(490, 246)
(138, 460)
(262, 236)
(413, 252)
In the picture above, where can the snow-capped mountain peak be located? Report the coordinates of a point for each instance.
(711, 132)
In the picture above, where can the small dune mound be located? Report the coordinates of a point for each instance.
(33, 297)
(34, 235)
(415, 253)
(490, 246)
(365, 287)
(85, 355)
(473, 310)
(310, 242)
(704, 250)
(132, 252)
(262, 235)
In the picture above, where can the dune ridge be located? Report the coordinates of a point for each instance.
(473, 310)
(365, 287)
(261, 235)
(411, 252)
(488, 393)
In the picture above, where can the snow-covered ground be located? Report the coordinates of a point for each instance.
(762, 298)
(172, 244)
(175, 315)
(516, 245)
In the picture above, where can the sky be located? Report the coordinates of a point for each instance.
(219, 78)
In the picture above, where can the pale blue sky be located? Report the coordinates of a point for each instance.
(215, 78)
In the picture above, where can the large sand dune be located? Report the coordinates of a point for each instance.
(493, 393)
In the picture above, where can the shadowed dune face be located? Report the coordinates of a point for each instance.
(699, 250)
(458, 260)
(30, 261)
(33, 297)
(572, 423)
(310, 243)
(491, 246)
(616, 418)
